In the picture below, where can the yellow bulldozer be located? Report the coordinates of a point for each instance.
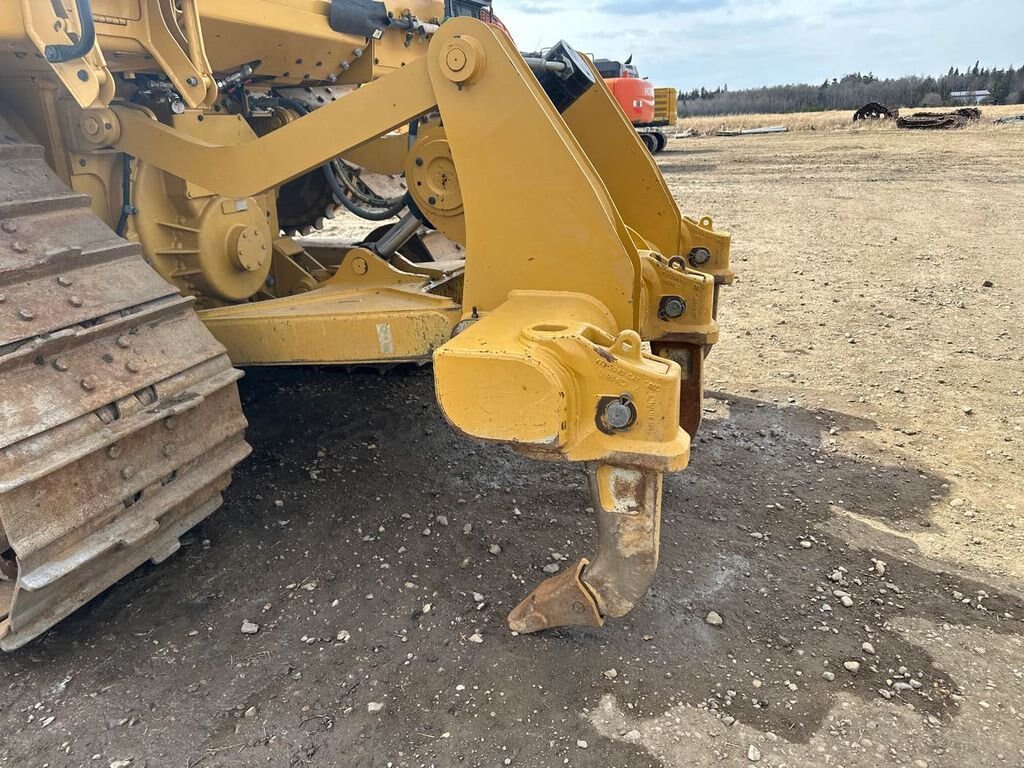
(159, 160)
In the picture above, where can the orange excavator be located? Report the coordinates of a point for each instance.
(651, 110)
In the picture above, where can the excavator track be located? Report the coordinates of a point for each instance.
(120, 421)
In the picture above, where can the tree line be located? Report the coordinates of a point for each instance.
(854, 91)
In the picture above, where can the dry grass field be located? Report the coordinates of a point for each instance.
(823, 121)
(854, 512)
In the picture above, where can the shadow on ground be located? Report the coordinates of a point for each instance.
(369, 544)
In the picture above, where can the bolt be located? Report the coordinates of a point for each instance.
(64, 281)
(169, 450)
(123, 342)
(671, 307)
(83, 75)
(75, 301)
(700, 256)
(60, 364)
(132, 366)
(432, 200)
(113, 452)
(18, 247)
(170, 422)
(419, 161)
(619, 414)
(89, 383)
(26, 314)
(127, 473)
(191, 82)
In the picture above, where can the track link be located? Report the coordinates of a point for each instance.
(120, 421)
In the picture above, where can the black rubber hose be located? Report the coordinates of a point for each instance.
(332, 180)
(127, 209)
(58, 54)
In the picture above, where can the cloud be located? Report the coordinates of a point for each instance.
(749, 43)
(660, 7)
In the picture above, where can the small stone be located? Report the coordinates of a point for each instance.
(836, 576)
(494, 549)
(375, 706)
(250, 627)
(956, 503)
(551, 568)
(829, 676)
(753, 753)
(968, 410)
(852, 666)
(805, 544)
(581, 744)
(611, 674)
(477, 597)
(476, 637)
(713, 619)
(278, 503)
(442, 521)
(868, 648)
(121, 763)
(250, 712)
(426, 531)
(467, 528)
(633, 735)
(343, 636)
(847, 601)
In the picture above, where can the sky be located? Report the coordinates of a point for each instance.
(749, 43)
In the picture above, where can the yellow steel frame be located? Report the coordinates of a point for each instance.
(577, 254)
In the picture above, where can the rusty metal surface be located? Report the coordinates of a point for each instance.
(119, 414)
(560, 601)
(628, 504)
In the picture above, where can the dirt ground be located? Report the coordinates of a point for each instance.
(855, 500)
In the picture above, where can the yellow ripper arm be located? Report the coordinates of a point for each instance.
(577, 254)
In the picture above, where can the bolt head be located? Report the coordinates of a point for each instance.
(123, 342)
(700, 256)
(26, 314)
(60, 364)
(75, 301)
(113, 452)
(673, 307)
(64, 280)
(127, 473)
(618, 415)
(170, 450)
(170, 422)
(89, 383)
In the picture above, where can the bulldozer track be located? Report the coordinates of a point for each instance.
(120, 421)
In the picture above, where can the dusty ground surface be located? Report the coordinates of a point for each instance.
(858, 480)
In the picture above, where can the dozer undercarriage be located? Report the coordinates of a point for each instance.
(150, 153)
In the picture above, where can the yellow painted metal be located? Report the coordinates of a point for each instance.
(538, 216)
(666, 106)
(637, 186)
(368, 312)
(538, 372)
(434, 182)
(576, 250)
(242, 170)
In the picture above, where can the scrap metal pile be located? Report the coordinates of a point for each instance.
(875, 111)
(937, 121)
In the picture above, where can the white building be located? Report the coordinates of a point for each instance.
(971, 97)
